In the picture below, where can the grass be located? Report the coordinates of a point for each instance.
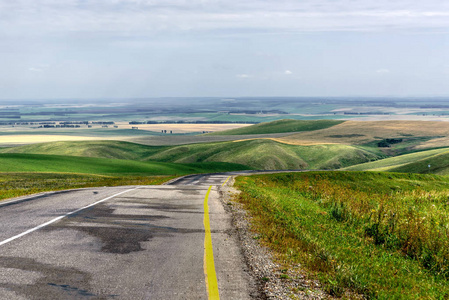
(281, 126)
(20, 184)
(410, 163)
(18, 162)
(257, 154)
(102, 149)
(406, 146)
(362, 132)
(439, 164)
(381, 235)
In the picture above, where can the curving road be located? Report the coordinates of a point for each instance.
(135, 242)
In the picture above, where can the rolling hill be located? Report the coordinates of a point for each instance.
(268, 155)
(322, 145)
(418, 162)
(280, 126)
(362, 132)
(103, 149)
(258, 154)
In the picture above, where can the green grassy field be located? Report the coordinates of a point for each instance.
(281, 126)
(18, 162)
(257, 154)
(268, 155)
(20, 184)
(417, 162)
(102, 149)
(381, 235)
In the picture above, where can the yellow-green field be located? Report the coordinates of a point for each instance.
(41, 138)
(360, 132)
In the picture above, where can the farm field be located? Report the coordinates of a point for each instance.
(380, 235)
(40, 138)
(214, 109)
(183, 128)
(151, 133)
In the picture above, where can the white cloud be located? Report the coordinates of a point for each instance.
(126, 17)
(35, 70)
(288, 72)
(39, 68)
(243, 76)
(383, 71)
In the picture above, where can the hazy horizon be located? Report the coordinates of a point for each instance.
(90, 49)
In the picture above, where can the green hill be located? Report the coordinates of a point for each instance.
(280, 126)
(418, 162)
(257, 154)
(104, 149)
(439, 164)
(268, 155)
(17, 162)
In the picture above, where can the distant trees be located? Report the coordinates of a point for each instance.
(389, 142)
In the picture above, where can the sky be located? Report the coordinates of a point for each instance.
(56, 49)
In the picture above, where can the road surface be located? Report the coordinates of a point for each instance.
(134, 242)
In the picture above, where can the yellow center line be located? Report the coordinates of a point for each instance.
(209, 265)
(226, 181)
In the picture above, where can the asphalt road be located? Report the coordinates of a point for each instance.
(136, 242)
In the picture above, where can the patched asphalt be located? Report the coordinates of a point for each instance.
(147, 243)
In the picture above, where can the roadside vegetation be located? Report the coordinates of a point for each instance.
(20, 184)
(381, 235)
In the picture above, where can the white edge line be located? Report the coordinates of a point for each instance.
(60, 217)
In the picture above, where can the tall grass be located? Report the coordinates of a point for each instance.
(381, 235)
